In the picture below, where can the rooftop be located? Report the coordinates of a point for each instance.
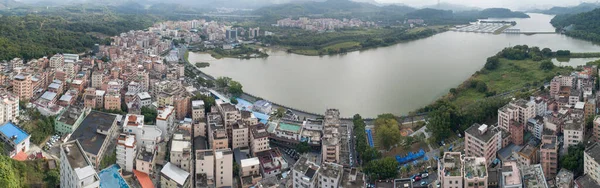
(197, 104)
(145, 156)
(331, 170)
(175, 173)
(289, 127)
(594, 151)
(200, 143)
(70, 115)
(249, 162)
(533, 176)
(475, 167)
(16, 134)
(564, 178)
(488, 132)
(511, 174)
(586, 181)
(48, 95)
(180, 146)
(452, 164)
(352, 178)
(75, 155)
(87, 133)
(227, 107)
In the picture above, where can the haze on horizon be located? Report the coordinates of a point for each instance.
(512, 4)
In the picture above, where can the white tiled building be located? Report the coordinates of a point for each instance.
(126, 151)
(76, 170)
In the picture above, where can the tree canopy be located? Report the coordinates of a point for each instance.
(380, 169)
(387, 131)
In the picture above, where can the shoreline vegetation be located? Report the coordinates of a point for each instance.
(239, 52)
(348, 40)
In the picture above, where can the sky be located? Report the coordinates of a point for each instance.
(513, 4)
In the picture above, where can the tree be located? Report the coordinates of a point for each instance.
(53, 178)
(8, 175)
(235, 88)
(589, 122)
(547, 65)
(302, 147)
(387, 131)
(443, 120)
(481, 87)
(236, 169)
(574, 159)
(222, 82)
(370, 154)
(563, 53)
(381, 169)
(149, 115)
(280, 112)
(233, 100)
(492, 63)
(546, 52)
(453, 91)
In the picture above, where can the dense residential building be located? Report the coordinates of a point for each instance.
(112, 101)
(9, 107)
(596, 129)
(475, 174)
(330, 175)
(223, 168)
(145, 161)
(450, 170)
(564, 179)
(76, 170)
(126, 151)
(511, 176)
(69, 119)
(239, 135)
(250, 171)
(574, 131)
(591, 161)
(181, 152)
(518, 110)
(549, 155)
(533, 176)
(22, 87)
(198, 110)
(217, 133)
(482, 141)
(259, 139)
(304, 173)
(516, 132)
(165, 121)
(330, 143)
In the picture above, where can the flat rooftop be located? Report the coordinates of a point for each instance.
(594, 151)
(75, 154)
(533, 176)
(10, 130)
(288, 127)
(86, 133)
(486, 136)
(331, 170)
(452, 164)
(475, 167)
(515, 178)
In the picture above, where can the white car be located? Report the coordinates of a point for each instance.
(424, 175)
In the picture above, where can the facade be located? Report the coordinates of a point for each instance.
(330, 175)
(76, 170)
(475, 174)
(528, 155)
(112, 102)
(23, 87)
(229, 113)
(198, 110)
(97, 79)
(9, 107)
(574, 131)
(596, 129)
(549, 155)
(518, 110)
(172, 176)
(239, 135)
(145, 161)
(126, 151)
(181, 152)
(217, 134)
(223, 168)
(482, 141)
(165, 120)
(536, 126)
(516, 132)
(259, 139)
(591, 161)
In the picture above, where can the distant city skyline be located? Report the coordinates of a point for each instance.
(513, 4)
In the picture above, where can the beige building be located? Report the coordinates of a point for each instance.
(549, 155)
(9, 107)
(482, 141)
(172, 176)
(304, 174)
(217, 134)
(22, 86)
(519, 110)
(181, 152)
(330, 148)
(259, 139)
(591, 161)
(511, 176)
(198, 110)
(224, 168)
(239, 135)
(330, 175)
(475, 172)
(126, 151)
(76, 170)
(528, 155)
(112, 102)
(450, 172)
(574, 131)
(97, 79)
(250, 172)
(145, 161)
(229, 113)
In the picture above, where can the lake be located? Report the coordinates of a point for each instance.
(395, 79)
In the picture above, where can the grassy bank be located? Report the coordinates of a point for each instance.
(510, 75)
(343, 41)
(240, 52)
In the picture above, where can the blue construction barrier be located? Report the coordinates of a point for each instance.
(370, 138)
(410, 157)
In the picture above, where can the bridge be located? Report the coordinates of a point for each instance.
(518, 31)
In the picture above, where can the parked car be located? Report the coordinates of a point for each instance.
(424, 175)
(418, 178)
(423, 183)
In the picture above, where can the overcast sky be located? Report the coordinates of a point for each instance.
(513, 4)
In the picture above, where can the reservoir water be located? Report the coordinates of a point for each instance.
(395, 79)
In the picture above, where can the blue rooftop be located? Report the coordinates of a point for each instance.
(9, 129)
(111, 177)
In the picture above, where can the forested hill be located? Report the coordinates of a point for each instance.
(583, 7)
(434, 16)
(583, 25)
(34, 36)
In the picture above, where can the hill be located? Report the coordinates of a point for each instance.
(501, 13)
(452, 7)
(583, 7)
(583, 25)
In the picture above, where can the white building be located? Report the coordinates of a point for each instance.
(9, 107)
(574, 131)
(145, 99)
(14, 138)
(330, 175)
(181, 153)
(304, 174)
(126, 151)
(165, 121)
(224, 168)
(76, 170)
(591, 161)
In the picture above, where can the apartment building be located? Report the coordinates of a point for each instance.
(482, 141)
(259, 139)
(217, 133)
(450, 172)
(172, 176)
(564, 179)
(198, 110)
(94, 134)
(9, 107)
(533, 176)
(205, 168)
(250, 172)
(240, 134)
(112, 101)
(558, 82)
(330, 149)
(69, 119)
(97, 79)
(126, 151)
(519, 110)
(57, 61)
(304, 174)
(536, 126)
(182, 106)
(330, 175)
(224, 168)
(591, 161)
(549, 155)
(475, 172)
(181, 152)
(76, 170)
(23, 87)
(574, 131)
(165, 120)
(516, 132)
(229, 113)
(527, 155)
(596, 129)
(145, 161)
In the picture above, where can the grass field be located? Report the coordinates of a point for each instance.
(343, 45)
(509, 76)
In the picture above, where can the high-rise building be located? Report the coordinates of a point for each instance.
(482, 141)
(549, 155)
(591, 161)
(304, 174)
(76, 170)
(22, 86)
(330, 143)
(9, 107)
(126, 151)
(519, 110)
(231, 34)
